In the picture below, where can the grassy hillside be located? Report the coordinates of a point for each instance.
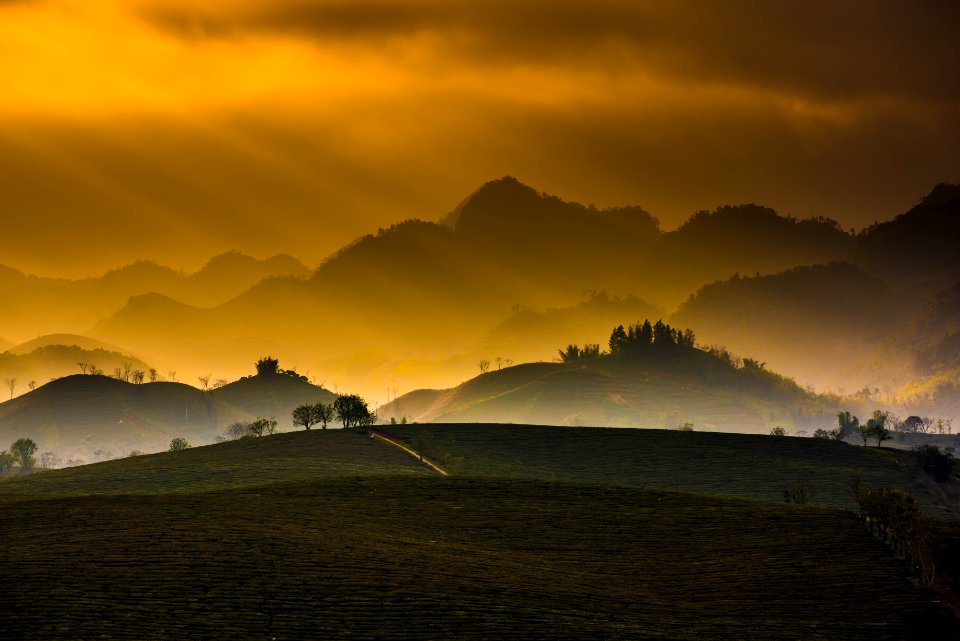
(756, 467)
(449, 558)
(77, 415)
(254, 461)
(660, 392)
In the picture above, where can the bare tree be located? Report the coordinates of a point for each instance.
(484, 366)
(32, 385)
(127, 368)
(93, 370)
(153, 374)
(499, 361)
(11, 384)
(50, 461)
(220, 382)
(83, 367)
(137, 376)
(173, 375)
(118, 373)
(204, 381)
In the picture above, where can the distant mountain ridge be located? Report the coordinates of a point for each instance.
(36, 305)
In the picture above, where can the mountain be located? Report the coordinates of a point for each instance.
(743, 239)
(822, 324)
(66, 340)
(53, 361)
(37, 305)
(917, 252)
(423, 302)
(78, 415)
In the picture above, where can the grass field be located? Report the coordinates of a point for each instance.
(332, 534)
(751, 466)
(423, 558)
(281, 457)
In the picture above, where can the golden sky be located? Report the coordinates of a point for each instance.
(173, 130)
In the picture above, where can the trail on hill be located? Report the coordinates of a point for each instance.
(406, 449)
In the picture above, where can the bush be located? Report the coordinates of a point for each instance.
(179, 443)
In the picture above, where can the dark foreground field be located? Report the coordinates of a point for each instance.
(325, 535)
(426, 558)
(745, 465)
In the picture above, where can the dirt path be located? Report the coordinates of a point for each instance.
(406, 449)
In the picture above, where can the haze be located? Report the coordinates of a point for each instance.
(174, 130)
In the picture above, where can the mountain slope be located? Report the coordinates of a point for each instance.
(696, 387)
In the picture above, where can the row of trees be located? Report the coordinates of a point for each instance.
(634, 341)
(350, 409)
(881, 426)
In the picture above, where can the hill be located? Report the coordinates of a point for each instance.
(663, 384)
(756, 467)
(78, 415)
(296, 456)
(330, 534)
(52, 361)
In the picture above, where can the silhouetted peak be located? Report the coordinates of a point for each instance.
(942, 193)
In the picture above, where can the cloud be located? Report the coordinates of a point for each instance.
(821, 48)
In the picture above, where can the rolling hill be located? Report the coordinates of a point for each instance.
(51, 361)
(655, 389)
(335, 535)
(77, 415)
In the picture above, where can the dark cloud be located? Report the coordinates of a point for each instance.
(820, 47)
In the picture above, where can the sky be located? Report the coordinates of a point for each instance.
(174, 130)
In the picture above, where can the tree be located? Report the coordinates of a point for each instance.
(23, 450)
(32, 385)
(267, 366)
(204, 381)
(6, 462)
(179, 443)
(305, 415)
(11, 384)
(137, 376)
(618, 338)
(263, 426)
(846, 424)
(173, 375)
(323, 413)
(778, 431)
(484, 366)
(235, 431)
(353, 412)
(153, 374)
(876, 428)
(821, 433)
(50, 461)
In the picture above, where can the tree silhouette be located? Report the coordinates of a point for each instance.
(267, 366)
(11, 384)
(352, 411)
(23, 450)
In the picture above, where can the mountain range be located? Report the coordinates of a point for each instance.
(513, 274)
